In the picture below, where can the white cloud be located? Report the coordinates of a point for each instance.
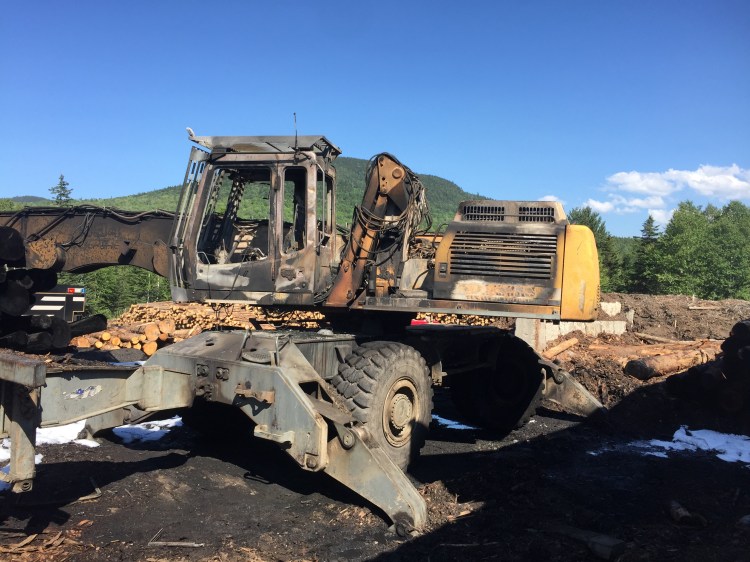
(729, 182)
(630, 192)
(661, 216)
(551, 198)
(722, 182)
(629, 205)
(623, 205)
(599, 206)
(653, 183)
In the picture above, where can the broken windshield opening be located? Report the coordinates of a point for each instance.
(235, 225)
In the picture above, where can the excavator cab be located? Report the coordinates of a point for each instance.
(256, 221)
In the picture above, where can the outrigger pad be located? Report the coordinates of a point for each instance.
(373, 475)
(562, 389)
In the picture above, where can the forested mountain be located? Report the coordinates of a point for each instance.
(30, 199)
(443, 195)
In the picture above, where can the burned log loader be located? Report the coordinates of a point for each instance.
(255, 224)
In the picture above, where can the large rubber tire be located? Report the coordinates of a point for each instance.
(387, 388)
(504, 396)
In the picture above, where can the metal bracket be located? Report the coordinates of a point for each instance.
(267, 396)
(262, 432)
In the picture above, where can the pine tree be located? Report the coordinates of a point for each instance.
(646, 260)
(62, 193)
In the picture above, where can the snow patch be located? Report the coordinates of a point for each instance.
(63, 434)
(59, 435)
(450, 424)
(726, 446)
(5, 450)
(147, 431)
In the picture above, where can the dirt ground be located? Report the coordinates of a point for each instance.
(489, 496)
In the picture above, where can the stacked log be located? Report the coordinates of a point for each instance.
(149, 327)
(724, 382)
(458, 319)
(146, 337)
(187, 316)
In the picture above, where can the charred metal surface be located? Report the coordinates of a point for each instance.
(20, 380)
(373, 475)
(76, 239)
(504, 252)
(264, 260)
(23, 412)
(33, 395)
(84, 238)
(269, 144)
(385, 187)
(22, 370)
(479, 308)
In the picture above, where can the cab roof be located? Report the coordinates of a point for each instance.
(318, 144)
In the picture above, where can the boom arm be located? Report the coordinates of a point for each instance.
(393, 205)
(85, 238)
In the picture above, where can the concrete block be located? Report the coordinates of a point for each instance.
(538, 333)
(630, 317)
(527, 329)
(611, 308)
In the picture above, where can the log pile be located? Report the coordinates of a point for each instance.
(459, 319)
(188, 316)
(657, 360)
(148, 327)
(146, 337)
(151, 326)
(647, 361)
(206, 317)
(724, 382)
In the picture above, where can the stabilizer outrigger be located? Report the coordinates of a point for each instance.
(267, 376)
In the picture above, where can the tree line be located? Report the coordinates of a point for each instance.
(702, 252)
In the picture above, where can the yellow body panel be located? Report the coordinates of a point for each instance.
(580, 284)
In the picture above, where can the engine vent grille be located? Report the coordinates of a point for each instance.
(536, 214)
(484, 213)
(500, 254)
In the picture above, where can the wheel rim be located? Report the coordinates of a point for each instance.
(400, 412)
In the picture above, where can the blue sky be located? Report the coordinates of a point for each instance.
(627, 106)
